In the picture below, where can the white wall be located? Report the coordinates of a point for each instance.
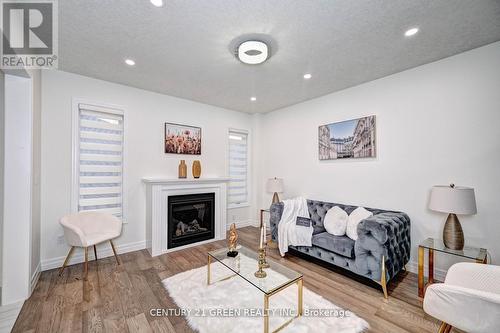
(436, 124)
(16, 241)
(35, 174)
(2, 136)
(146, 113)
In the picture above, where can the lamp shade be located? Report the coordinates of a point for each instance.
(453, 199)
(274, 185)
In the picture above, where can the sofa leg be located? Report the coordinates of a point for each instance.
(383, 279)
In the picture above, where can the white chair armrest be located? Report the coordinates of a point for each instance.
(74, 236)
(474, 276)
(467, 309)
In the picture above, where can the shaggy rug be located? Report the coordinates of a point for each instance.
(234, 305)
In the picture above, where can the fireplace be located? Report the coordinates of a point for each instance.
(191, 219)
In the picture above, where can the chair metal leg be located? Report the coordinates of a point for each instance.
(114, 251)
(86, 264)
(95, 253)
(61, 270)
(444, 328)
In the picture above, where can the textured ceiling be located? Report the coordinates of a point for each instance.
(185, 48)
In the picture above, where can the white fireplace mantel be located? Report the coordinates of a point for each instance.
(158, 190)
(160, 180)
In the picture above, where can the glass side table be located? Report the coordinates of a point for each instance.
(432, 244)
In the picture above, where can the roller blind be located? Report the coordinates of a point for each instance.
(238, 168)
(100, 160)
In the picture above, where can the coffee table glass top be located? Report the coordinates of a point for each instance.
(467, 252)
(245, 265)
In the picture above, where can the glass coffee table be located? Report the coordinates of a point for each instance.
(244, 265)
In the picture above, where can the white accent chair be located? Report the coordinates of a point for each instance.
(469, 299)
(86, 229)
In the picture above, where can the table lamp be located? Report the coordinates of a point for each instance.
(453, 200)
(275, 185)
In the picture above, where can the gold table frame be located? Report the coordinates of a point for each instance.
(300, 296)
(481, 257)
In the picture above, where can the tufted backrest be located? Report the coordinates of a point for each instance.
(318, 209)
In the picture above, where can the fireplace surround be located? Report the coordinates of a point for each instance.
(158, 191)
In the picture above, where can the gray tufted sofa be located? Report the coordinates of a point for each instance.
(380, 252)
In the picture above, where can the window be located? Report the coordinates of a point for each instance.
(238, 169)
(98, 165)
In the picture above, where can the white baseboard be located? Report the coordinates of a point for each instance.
(8, 316)
(242, 224)
(35, 277)
(439, 274)
(103, 251)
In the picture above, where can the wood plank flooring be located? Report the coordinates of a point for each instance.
(119, 298)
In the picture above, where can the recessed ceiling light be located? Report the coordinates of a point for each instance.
(130, 62)
(307, 76)
(411, 32)
(253, 98)
(157, 3)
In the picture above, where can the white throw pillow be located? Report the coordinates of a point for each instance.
(355, 217)
(335, 221)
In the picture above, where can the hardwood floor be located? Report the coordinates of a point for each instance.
(119, 298)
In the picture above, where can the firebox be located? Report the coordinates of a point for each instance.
(191, 219)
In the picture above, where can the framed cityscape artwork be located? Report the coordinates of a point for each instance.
(348, 139)
(182, 139)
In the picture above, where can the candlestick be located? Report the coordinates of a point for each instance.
(260, 244)
(265, 264)
(261, 273)
(264, 233)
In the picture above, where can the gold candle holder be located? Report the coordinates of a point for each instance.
(262, 259)
(265, 264)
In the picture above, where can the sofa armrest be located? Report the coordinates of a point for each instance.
(276, 210)
(386, 234)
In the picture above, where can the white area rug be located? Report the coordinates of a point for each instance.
(234, 305)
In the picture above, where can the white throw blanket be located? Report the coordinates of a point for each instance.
(289, 233)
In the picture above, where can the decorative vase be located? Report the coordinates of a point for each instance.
(182, 169)
(196, 169)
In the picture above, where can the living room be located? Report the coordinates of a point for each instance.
(249, 166)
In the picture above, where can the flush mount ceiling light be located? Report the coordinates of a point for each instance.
(130, 62)
(307, 76)
(411, 32)
(157, 3)
(253, 98)
(253, 52)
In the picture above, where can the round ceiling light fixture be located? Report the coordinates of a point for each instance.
(157, 3)
(253, 52)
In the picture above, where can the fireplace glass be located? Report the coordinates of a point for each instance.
(191, 219)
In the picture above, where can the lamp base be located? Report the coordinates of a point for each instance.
(453, 235)
(276, 198)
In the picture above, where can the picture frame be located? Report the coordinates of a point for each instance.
(182, 139)
(349, 139)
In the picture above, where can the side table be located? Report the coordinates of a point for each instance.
(432, 244)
